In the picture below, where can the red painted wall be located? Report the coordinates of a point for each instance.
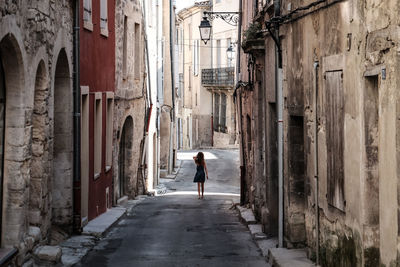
(97, 70)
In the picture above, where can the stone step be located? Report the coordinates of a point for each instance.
(246, 215)
(282, 257)
(48, 253)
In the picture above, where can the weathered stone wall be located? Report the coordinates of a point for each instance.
(355, 44)
(359, 47)
(32, 34)
(165, 117)
(201, 125)
(130, 96)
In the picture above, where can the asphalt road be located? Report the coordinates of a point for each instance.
(178, 229)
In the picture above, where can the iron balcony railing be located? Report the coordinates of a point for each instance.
(224, 77)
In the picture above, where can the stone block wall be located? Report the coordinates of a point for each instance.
(130, 95)
(32, 34)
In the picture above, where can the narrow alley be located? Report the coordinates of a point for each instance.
(178, 229)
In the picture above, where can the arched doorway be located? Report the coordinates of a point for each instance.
(125, 156)
(2, 129)
(13, 164)
(40, 148)
(62, 145)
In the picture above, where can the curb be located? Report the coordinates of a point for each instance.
(277, 257)
(77, 247)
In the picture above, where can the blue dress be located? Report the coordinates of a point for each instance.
(200, 176)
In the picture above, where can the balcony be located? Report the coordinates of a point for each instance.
(218, 77)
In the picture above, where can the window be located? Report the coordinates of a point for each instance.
(124, 48)
(218, 53)
(219, 112)
(335, 138)
(180, 86)
(182, 33)
(149, 10)
(216, 112)
(109, 129)
(248, 133)
(103, 17)
(229, 60)
(222, 126)
(84, 150)
(87, 15)
(190, 78)
(97, 134)
(190, 35)
(196, 46)
(137, 51)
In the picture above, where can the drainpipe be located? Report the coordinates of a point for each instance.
(172, 114)
(279, 107)
(239, 106)
(212, 118)
(316, 175)
(77, 125)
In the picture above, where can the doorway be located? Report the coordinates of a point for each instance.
(125, 156)
(62, 151)
(2, 130)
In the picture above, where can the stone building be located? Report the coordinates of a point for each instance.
(340, 136)
(206, 78)
(36, 69)
(131, 107)
(167, 92)
(152, 29)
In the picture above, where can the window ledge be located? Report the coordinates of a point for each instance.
(88, 25)
(104, 32)
(96, 176)
(108, 168)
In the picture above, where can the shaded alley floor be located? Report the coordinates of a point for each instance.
(177, 229)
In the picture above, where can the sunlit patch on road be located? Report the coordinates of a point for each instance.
(190, 155)
(194, 193)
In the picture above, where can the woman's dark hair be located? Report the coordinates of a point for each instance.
(200, 158)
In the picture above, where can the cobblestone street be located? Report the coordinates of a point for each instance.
(177, 229)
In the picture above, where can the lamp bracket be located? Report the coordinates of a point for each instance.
(232, 18)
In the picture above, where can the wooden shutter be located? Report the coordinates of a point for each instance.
(223, 113)
(216, 112)
(87, 10)
(335, 138)
(103, 14)
(218, 53)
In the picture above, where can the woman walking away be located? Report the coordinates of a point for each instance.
(200, 176)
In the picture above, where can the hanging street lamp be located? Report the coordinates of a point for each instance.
(232, 18)
(205, 30)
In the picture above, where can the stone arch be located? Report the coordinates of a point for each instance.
(15, 142)
(62, 144)
(125, 171)
(40, 166)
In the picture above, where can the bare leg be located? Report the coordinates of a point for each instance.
(198, 189)
(202, 190)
